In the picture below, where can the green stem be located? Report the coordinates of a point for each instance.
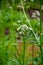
(38, 41)
(23, 50)
(41, 54)
(32, 52)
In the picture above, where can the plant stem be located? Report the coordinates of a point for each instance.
(40, 35)
(38, 41)
(23, 50)
(41, 54)
(32, 52)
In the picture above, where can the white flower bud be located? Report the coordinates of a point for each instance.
(37, 12)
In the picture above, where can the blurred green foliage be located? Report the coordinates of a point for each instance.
(10, 20)
(15, 3)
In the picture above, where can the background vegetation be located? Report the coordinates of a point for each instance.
(19, 32)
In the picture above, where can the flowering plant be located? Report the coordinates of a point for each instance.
(15, 24)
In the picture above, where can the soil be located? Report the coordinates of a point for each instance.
(31, 51)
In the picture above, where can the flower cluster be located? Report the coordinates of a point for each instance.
(42, 7)
(36, 14)
(23, 29)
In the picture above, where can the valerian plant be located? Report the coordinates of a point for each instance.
(12, 24)
(35, 35)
